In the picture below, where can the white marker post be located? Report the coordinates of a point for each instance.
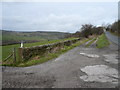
(20, 51)
(21, 44)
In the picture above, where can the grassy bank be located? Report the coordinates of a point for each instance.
(102, 41)
(49, 56)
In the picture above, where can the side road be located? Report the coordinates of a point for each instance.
(81, 67)
(113, 38)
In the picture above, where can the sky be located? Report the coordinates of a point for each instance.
(56, 16)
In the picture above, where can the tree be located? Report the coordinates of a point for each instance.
(89, 29)
(86, 30)
(115, 27)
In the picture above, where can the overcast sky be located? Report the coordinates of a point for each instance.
(59, 16)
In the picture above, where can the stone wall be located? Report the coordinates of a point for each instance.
(27, 53)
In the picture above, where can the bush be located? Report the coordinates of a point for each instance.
(89, 29)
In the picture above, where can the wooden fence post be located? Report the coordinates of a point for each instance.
(20, 54)
(14, 55)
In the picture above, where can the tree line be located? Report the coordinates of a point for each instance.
(87, 30)
(114, 27)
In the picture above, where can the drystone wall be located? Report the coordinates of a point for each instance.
(27, 53)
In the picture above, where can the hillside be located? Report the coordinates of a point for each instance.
(14, 37)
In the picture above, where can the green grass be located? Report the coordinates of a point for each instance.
(47, 42)
(7, 50)
(90, 42)
(14, 36)
(49, 56)
(102, 41)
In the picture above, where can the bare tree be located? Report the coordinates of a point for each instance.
(87, 30)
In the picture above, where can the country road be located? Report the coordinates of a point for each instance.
(80, 67)
(113, 38)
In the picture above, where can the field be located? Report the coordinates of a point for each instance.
(15, 37)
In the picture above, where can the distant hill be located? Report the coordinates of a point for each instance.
(14, 37)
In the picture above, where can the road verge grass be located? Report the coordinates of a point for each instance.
(102, 41)
(116, 34)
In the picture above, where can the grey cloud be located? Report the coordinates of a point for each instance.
(60, 21)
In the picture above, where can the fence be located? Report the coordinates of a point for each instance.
(12, 55)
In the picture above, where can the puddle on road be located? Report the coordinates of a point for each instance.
(90, 55)
(112, 58)
(100, 73)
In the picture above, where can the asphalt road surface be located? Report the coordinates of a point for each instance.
(113, 38)
(80, 67)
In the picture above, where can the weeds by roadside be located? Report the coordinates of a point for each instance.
(102, 41)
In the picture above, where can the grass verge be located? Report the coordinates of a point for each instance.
(116, 34)
(49, 56)
(102, 41)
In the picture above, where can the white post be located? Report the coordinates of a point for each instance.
(21, 44)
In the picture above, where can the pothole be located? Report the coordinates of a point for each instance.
(112, 58)
(100, 73)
